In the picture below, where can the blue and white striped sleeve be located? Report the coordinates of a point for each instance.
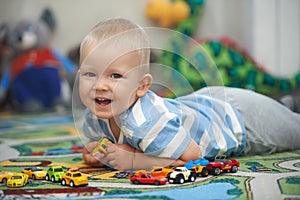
(155, 127)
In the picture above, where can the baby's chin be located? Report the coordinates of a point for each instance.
(103, 116)
(106, 116)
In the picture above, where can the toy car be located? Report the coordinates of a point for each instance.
(161, 171)
(124, 174)
(102, 146)
(4, 176)
(221, 164)
(200, 170)
(54, 173)
(146, 178)
(181, 175)
(34, 172)
(74, 178)
(198, 166)
(17, 180)
(199, 162)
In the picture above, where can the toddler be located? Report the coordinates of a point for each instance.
(147, 130)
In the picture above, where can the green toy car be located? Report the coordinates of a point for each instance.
(54, 173)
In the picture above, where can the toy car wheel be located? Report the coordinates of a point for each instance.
(192, 177)
(4, 180)
(216, 171)
(204, 172)
(52, 179)
(72, 184)
(156, 183)
(63, 182)
(33, 177)
(234, 169)
(47, 177)
(179, 179)
(136, 182)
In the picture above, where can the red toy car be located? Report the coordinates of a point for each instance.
(145, 178)
(221, 164)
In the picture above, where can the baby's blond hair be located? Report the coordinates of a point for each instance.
(122, 30)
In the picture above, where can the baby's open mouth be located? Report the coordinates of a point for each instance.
(102, 101)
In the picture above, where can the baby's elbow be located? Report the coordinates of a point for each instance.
(193, 152)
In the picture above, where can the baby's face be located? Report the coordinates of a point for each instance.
(108, 82)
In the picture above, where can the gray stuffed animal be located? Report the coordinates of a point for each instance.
(36, 78)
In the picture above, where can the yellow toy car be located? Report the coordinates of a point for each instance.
(17, 180)
(74, 178)
(102, 146)
(4, 176)
(35, 172)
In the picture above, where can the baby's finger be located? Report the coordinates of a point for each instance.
(91, 145)
(111, 148)
(89, 158)
(98, 155)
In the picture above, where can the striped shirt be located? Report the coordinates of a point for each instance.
(165, 127)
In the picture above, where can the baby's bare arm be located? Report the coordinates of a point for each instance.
(193, 152)
(125, 157)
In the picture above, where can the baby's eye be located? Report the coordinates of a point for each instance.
(116, 76)
(89, 74)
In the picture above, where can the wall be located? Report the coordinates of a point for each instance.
(74, 17)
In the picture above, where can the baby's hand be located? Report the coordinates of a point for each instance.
(94, 158)
(120, 156)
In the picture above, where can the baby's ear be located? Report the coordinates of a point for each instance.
(145, 85)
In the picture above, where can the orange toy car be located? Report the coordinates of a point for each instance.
(161, 171)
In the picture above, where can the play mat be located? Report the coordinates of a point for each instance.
(51, 139)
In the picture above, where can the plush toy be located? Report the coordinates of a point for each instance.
(167, 13)
(36, 78)
(5, 52)
(217, 58)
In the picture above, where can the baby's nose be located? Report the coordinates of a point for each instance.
(101, 84)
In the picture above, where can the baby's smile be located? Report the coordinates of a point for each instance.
(103, 101)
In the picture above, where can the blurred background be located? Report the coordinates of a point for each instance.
(268, 30)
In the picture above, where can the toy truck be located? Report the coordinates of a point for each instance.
(200, 170)
(181, 175)
(221, 164)
(198, 166)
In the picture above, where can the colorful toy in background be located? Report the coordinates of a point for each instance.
(235, 67)
(167, 13)
(4, 47)
(37, 78)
